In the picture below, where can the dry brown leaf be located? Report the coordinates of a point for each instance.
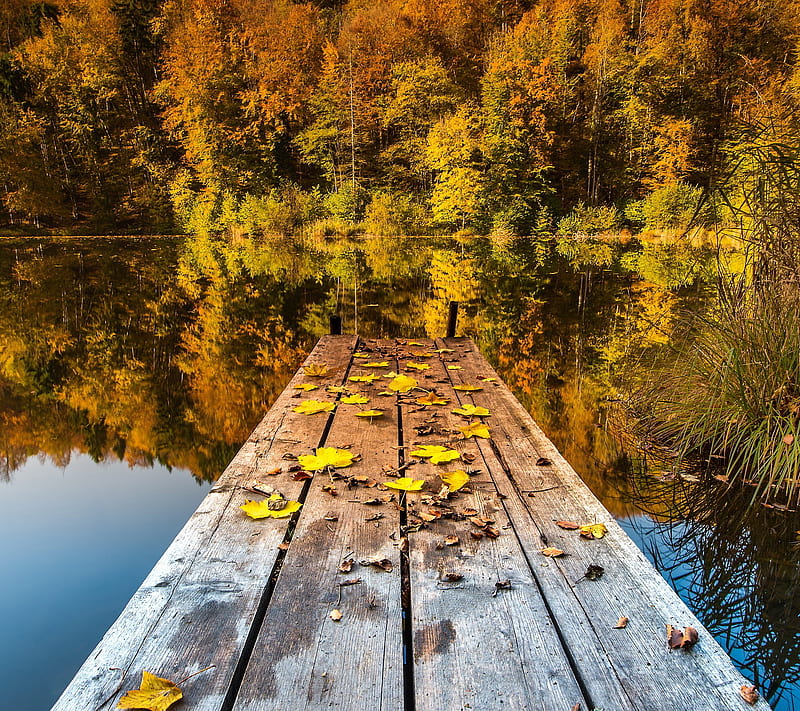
(552, 552)
(335, 615)
(346, 565)
(568, 525)
(622, 623)
(451, 577)
(681, 639)
(451, 540)
(749, 694)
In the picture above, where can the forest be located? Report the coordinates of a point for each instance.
(512, 117)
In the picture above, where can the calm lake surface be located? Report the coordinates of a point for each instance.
(132, 369)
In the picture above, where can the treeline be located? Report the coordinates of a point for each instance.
(259, 116)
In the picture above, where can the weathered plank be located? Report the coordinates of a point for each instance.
(302, 658)
(475, 646)
(196, 606)
(651, 675)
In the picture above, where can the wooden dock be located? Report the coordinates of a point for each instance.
(447, 601)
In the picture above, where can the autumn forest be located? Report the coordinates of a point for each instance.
(401, 116)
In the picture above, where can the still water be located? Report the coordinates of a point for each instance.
(132, 369)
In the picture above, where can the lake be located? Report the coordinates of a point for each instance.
(131, 370)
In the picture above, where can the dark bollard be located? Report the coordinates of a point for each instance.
(336, 325)
(452, 319)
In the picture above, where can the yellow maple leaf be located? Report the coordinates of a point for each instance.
(316, 370)
(405, 483)
(370, 378)
(475, 429)
(417, 366)
(370, 413)
(360, 354)
(455, 480)
(421, 354)
(325, 457)
(306, 386)
(487, 380)
(436, 453)
(261, 509)
(472, 411)
(312, 407)
(415, 343)
(593, 530)
(454, 367)
(336, 389)
(444, 350)
(402, 384)
(155, 693)
(431, 399)
(467, 388)
(355, 400)
(381, 364)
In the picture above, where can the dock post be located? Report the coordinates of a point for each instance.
(336, 325)
(452, 319)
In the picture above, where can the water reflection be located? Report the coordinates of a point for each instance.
(169, 352)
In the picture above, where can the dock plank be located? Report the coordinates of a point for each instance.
(475, 646)
(585, 612)
(302, 658)
(196, 606)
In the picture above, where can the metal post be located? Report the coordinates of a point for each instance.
(336, 325)
(452, 319)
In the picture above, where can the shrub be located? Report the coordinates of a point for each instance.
(587, 220)
(396, 214)
(675, 206)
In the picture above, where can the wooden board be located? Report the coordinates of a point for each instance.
(197, 605)
(475, 646)
(303, 659)
(626, 668)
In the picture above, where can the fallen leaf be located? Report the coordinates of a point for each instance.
(622, 623)
(683, 639)
(283, 546)
(316, 370)
(594, 572)
(360, 354)
(567, 525)
(261, 509)
(491, 531)
(402, 384)
(451, 540)
(431, 399)
(335, 615)
(417, 366)
(369, 378)
(749, 694)
(475, 429)
(370, 413)
(354, 400)
(381, 364)
(472, 411)
(330, 489)
(443, 350)
(336, 389)
(455, 480)
(382, 563)
(454, 367)
(385, 393)
(346, 565)
(312, 407)
(451, 577)
(487, 380)
(326, 457)
(552, 552)
(501, 585)
(467, 388)
(436, 453)
(593, 530)
(155, 694)
(405, 483)
(306, 386)
(543, 462)
(301, 476)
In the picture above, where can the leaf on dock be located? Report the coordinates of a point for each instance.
(436, 453)
(369, 378)
(431, 399)
(467, 388)
(326, 457)
(593, 530)
(455, 480)
(402, 384)
(312, 407)
(370, 413)
(469, 410)
(475, 429)
(261, 509)
(749, 694)
(306, 386)
(355, 400)
(316, 370)
(155, 694)
(405, 483)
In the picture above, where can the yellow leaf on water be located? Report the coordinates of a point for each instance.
(436, 453)
(405, 483)
(355, 400)
(467, 388)
(593, 530)
(431, 399)
(155, 694)
(402, 384)
(417, 366)
(455, 480)
(370, 413)
(475, 429)
(325, 457)
(382, 364)
(306, 386)
(312, 407)
(316, 370)
(472, 411)
(371, 378)
(261, 509)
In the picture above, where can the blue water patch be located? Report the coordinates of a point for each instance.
(75, 542)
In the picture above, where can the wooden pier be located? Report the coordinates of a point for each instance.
(371, 597)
